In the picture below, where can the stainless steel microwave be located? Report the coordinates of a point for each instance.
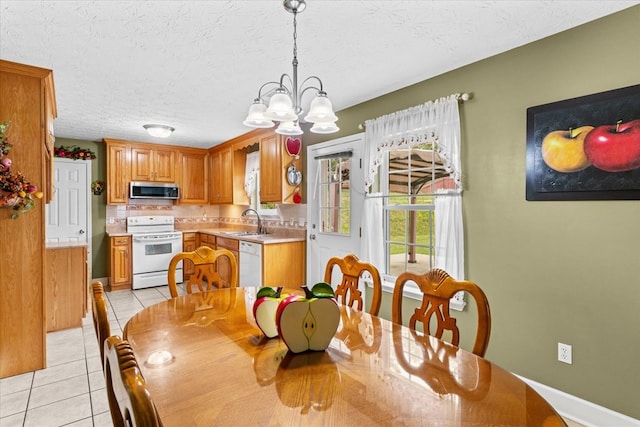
(153, 190)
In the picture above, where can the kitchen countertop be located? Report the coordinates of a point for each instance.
(58, 245)
(264, 239)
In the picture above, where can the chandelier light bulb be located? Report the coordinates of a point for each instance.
(324, 127)
(256, 117)
(321, 110)
(281, 107)
(289, 128)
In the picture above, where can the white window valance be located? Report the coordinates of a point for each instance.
(434, 122)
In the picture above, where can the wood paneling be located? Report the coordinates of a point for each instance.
(22, 297)
(66, 287)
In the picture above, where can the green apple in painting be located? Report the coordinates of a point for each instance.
(308, 322)
(563, 150)
(264, 310)
(614, 148)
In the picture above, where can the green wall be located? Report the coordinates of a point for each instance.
(100, 243)
(565, 271)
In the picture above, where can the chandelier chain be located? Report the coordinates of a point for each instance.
(295, 35)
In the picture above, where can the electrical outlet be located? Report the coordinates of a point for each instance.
(564, 353)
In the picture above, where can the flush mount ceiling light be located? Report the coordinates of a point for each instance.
(286, 99)
(159, 131)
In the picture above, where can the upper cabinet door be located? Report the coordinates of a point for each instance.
(194, 174)
(118, 170)
(153, 164)
(271, 170)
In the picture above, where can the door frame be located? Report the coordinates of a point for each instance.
(89, 228)
(316, 267)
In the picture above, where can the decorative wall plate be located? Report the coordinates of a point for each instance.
(294, 176)
(293, 146)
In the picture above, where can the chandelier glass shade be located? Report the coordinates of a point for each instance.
(284, 103)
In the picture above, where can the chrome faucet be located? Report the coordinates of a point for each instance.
(261, 229)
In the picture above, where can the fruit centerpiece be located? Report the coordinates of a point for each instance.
(303, 322)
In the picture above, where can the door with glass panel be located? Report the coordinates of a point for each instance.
(335, 189)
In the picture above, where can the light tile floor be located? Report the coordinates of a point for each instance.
(71, 390)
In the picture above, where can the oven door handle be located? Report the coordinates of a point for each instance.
(157, 239)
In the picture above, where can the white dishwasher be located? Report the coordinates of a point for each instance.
(250, 264)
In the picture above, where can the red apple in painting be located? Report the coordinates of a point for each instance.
(563, 150)
(614, 148)
(308, 322)
(264, 310)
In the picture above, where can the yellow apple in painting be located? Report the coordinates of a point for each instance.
(563, 150)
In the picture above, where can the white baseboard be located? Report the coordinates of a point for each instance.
(579, 410)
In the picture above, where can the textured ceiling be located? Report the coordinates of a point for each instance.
(197, 65)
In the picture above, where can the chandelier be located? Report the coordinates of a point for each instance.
(286, 96)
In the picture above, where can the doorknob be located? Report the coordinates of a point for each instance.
(81, 232)
(312, 236)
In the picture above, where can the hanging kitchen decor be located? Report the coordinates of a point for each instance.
(74, 153)
(16, 191)
(293, 146)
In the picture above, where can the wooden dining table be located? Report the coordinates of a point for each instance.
(223, 371)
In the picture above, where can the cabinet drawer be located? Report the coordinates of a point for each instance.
(189, 237)
(118, 241)
(231, 244)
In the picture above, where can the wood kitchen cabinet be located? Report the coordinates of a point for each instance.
(194, 176)
(26, 92)
(118, 171)
(223, 265)
(207, 240)
(221, 176)
(189, 244)
(121, 275)
(153, 163)
(290, 274)
(274, 163)
(66, 272)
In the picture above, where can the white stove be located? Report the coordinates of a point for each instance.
(155, 242)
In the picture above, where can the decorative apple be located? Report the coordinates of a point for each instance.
(563, 150)
(308, 322)
(614, 148)
(264, 310)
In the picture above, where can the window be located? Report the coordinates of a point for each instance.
(410, 179)
(335, 212)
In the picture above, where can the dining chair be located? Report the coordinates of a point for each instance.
(130, 401)
(206, 272)
(100, 316)
(438, 288)
(352, 270)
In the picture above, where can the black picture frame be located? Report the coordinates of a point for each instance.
(591, 183)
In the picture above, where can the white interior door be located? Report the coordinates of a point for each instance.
(335, 189)
(68, 215)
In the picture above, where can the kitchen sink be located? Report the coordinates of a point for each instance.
(241, 233)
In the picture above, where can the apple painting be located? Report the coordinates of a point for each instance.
(563, 150)
(308, 322)
(264, 310)
(614, 148)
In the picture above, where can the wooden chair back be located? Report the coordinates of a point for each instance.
(205, 274)
(100, 316)
(438, 288)
(130, 401)
(347, 291)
